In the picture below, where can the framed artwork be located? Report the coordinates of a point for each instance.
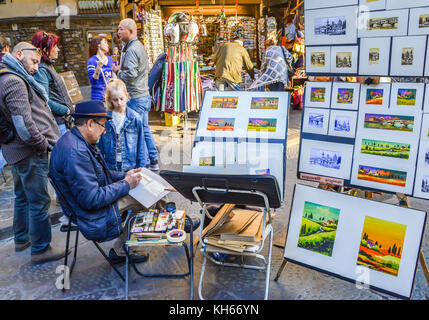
(342, 123)
(326, 159)
(316, 4)
(421, 184)
(383, 23)
(318, 59)
(426, 101)
(349, 237)
(374, 56)
(419, 22)
(315, 120)
(334, 25)
(408, 56)
(213, 154)
(344, 59)
(371, 5)
(345, 95)
(375, 96)
(407, 95)
(318, 94)
(399, 4)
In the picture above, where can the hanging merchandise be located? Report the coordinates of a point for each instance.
(192, 32)
(171, 32)
(154, 40)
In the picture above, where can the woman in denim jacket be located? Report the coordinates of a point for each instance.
(123, 144)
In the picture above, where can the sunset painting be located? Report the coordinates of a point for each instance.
(256, 124)
(380, 175)
(374, 96)
(389, 122)
(220, 124)
(225, 102)
(381, 245)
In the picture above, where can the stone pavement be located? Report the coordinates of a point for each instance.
(94, 279)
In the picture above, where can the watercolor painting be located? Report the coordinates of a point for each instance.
(318, 59)
(325, 158)
(374, 56)
(390, 23)
(406, 97)
(257, 124)
(220, 124)
(265, 103)
(342, 124)
(386, 148)
(262, 171)
(381, 245)
(424, 21)
(427, 158)
(225, 102)
(317, 94)
(315, 120)
(318, 228)
(344, 59)
(207, 161)
(330, 26)
(407, 58)
(374, 96)
(380, 175)
(345, 96)
(425, 184)
(389, 122)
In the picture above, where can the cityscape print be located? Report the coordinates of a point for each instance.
(325, 158)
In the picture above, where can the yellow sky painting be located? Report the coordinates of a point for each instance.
(385, 232)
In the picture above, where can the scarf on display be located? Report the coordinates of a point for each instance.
(274, 67)
(18, 67)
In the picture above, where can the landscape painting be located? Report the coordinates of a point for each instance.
(318, 228)
(257, 124)
(225, 102)
(318, 59)
(330, 26)
(406, 97)
(342, 124)
(220, 124)
(424, 21)
(389, 122)
(381, 245)
(374, 96)
(325, 158)
(386, 148)
(315, 120)
(207, 161)
(380, 175)
(317, 94)
(390, 23)
(264, 103)
(345, 96)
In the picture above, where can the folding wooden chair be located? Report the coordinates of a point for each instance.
(72, 217)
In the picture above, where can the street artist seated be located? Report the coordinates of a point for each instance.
(96, 194)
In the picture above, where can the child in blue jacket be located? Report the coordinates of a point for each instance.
(123, 145)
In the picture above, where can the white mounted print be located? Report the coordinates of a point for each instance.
(383, 23)
(345, 95)
(371, 5)
(375, 96)
(317, 4)
(344, 59)
(419, 21)
(406, 95)
(318, 59)
(399, 4)
(408, 56)
(342, 123)
(318, 94)
(315, 121)
(374, 56)
(333, 25)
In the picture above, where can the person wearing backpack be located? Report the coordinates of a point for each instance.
(23, 104)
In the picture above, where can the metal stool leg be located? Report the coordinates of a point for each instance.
(108, 260)
(200, 286)
(75, 252)
(267, 277)
(67, 250)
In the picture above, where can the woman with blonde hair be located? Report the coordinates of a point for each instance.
(123, 144)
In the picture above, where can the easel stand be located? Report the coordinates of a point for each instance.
(403, 202)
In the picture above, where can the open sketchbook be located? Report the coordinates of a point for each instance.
(150, 189)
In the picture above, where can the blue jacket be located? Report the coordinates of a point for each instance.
(132, 143)
(89, 186)
(98, 86)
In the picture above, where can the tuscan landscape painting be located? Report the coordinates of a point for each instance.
(389, 122)
(381, 245)
(386, 148)
(317, 94)
(220, 124)
(225, 102)
(265, 103)
(381, 175)
(256, 124)
(406, 97)
(318, 228)
(374, 96)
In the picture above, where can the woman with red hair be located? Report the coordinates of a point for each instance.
(99, 67)
(59, 100)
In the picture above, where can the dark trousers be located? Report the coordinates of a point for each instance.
(32, 200)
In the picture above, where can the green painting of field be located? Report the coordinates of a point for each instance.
(318, 228)
(386, 148)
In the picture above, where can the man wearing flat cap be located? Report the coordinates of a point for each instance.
(96, 194)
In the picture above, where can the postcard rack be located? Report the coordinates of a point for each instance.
(253, 190)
